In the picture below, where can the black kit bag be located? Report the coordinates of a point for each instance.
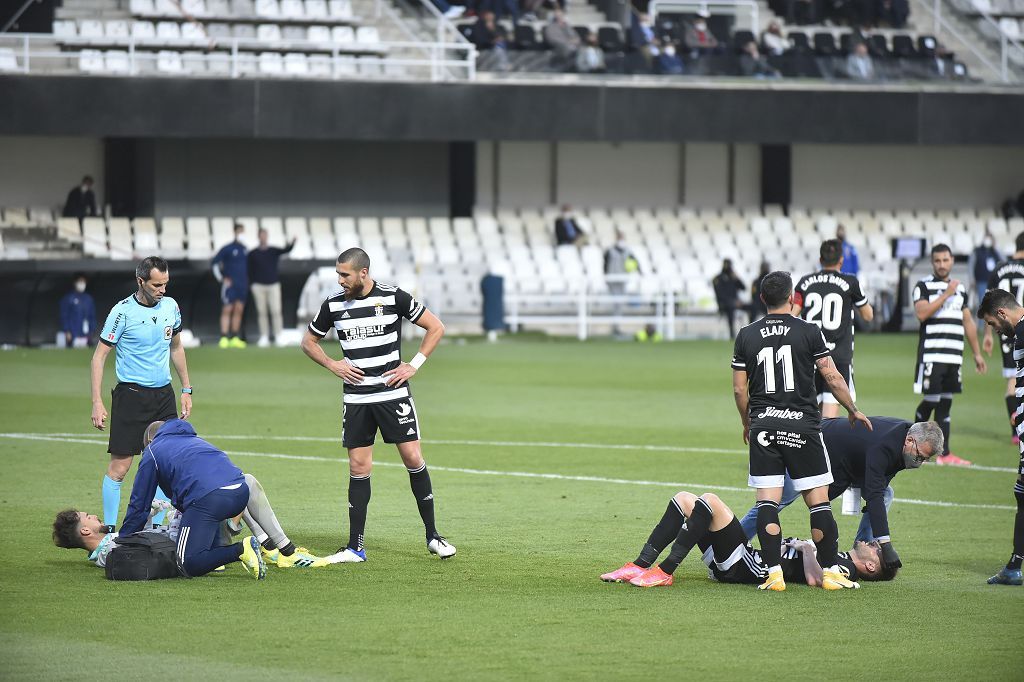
(143, 556)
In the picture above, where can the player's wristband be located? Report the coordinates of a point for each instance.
(186, 390)
(418, 360)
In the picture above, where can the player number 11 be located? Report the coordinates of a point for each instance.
(784, 355)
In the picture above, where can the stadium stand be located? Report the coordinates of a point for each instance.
(679, 248)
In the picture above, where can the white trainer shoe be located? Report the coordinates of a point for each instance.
(441, 547)
(347, 556)
(264, 342)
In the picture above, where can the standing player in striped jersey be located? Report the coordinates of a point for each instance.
(368, 318)
(1002, 311)
(941, 306)
(1008, 276)
(828, 298)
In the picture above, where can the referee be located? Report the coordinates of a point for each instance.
(143, 331)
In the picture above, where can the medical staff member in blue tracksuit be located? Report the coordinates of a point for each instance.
(231, 268)
(142, 330)
(204, 485)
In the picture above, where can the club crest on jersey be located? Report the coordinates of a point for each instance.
(378, 308)
(168, 333)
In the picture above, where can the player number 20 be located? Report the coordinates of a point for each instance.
(830, 308)
(783, 355)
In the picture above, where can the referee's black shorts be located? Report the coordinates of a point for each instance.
(132, 409)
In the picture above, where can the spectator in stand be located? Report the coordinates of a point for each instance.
(567, 230)
(757, 307)
(78, 316)
(265, 282)
(727, 293)
(773, 41)
(590, 57)
(860, 67)
(562, 38)
(851, 264)
(697, 38)
(667, 62)
(642, 37)
(892, 13)
(81, 202)
(754, 65)
(500, 8)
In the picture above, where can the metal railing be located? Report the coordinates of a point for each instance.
(236, 57)
(585, 307)
(940, 24)
(737, 8)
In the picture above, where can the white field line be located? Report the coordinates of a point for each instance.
(513, 444)
(510, 474)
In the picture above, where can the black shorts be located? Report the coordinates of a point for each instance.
(821, 388)
(396, 420)
(731, 559)
(132, 409)
(934, 378)
(776, 452)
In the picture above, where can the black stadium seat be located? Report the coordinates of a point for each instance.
(926, 46)
(467, 31)
(582, 32)
(877, 46)
(824, 44)
(610, 39)
(741, 38)
(846, 43)
(799, 41)
(903, 46)
(526, 37)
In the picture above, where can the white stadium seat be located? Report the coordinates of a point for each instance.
(169, 61)
(195, 8)
(91, 61)
(271, 63)
(292, 9)
(268, 8)
(339, 9)
(94, 238)
(168, 32)
(316, 9)
(318, 34)
(343, 34)
(92, 29)
(116, 61)
(141, 7)
(8, 60)
(268, 32)
(295, 64)
(65, 28)
(146, 242)
(143, 30)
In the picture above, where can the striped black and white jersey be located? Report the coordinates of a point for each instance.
(828, 299)
(370, 332)
(941, 336)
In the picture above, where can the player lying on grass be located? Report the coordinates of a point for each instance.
(706, 522)
(73, 529)
(868, 460)
(207, 488)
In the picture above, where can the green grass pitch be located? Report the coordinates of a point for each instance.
(519, 436)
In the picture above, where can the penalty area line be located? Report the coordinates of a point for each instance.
(510, 474)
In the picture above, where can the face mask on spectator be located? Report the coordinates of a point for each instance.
(700, 26)
(987, 241)
(85, 188)
(670, 50)
(80, 286)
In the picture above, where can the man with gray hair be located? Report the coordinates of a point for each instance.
(869, 460)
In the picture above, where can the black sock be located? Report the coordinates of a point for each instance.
(419, 481)
(358, 501)
(823, 522)
(924, 411)
(269, 545)
(1018, 529)
(771, 543)
(288, 549)
(666, 530)
(942, 411)
(1011, 407)
(695, 528)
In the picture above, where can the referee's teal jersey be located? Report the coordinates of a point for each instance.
(141, 337)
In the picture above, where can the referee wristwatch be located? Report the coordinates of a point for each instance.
(186, 390)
